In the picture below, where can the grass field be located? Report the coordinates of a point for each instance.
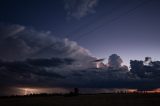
(84, 100)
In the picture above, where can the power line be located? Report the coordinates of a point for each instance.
(104, 24)
(112, 20)
(92, 22)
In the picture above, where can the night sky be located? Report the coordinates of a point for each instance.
(56, 41)
(129, 28)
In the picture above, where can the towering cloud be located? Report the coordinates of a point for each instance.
(114, 61)
(80, 8)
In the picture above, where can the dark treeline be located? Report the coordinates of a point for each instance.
(71, 94)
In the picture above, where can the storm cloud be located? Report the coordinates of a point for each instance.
(31, 71)
(36, 58)
(19, 43)
(55, 72)
(80, 8)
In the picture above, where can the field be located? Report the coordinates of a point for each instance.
(84, 100)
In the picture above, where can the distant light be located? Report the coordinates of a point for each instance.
(27, 90)
(98, 65)
(31, 91)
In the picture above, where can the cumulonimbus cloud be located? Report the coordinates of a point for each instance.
(36, 58)
(80, 8)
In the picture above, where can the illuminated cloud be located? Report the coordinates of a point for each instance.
(19, 43)
(114, 61)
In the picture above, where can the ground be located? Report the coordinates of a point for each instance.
(84, 100)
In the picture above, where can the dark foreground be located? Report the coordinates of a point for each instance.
(84, 100)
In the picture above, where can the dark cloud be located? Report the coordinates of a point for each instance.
(98, 60)
(80, 8)
(30, 72)
(37, 58)
(148, 72)
(42, 73)
(147, 60)
(53, 62)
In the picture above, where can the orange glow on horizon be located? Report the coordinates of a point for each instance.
(132, 90)
(154, 91)
(31, 90)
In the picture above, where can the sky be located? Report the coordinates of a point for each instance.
(129, 28)
(71, 34)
